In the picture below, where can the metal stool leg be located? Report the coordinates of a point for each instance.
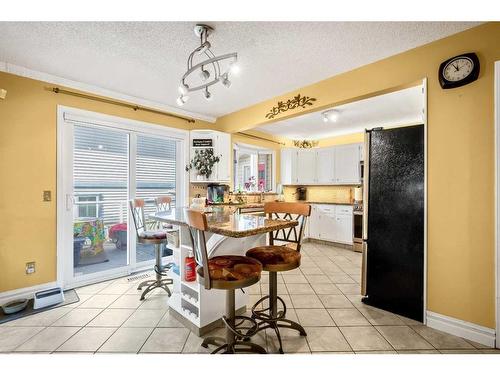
(158, 282)
(234, 337)
(273, 319)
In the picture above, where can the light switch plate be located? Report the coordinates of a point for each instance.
(3, 93)
(47, 195)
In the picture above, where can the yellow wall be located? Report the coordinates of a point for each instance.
(28, 166)
(460, 162)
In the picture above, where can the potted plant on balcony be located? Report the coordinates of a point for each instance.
(203, 163)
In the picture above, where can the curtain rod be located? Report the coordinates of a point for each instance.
(57, 90)
(261, 138)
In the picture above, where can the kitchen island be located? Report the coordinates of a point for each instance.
(228, 233)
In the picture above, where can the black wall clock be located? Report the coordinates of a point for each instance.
(459, 70)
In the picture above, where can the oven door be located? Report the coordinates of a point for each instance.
(358, 231)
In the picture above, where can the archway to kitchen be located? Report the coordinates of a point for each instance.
(333, 170)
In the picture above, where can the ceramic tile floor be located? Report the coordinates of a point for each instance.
(323, 295)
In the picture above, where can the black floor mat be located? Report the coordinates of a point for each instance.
(70, 296)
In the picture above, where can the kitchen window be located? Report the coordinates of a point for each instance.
(254, 169)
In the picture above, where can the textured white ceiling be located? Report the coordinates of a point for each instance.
(396, 108)
(146, 60)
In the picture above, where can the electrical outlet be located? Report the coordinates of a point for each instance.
(47, 195)
(30, 268)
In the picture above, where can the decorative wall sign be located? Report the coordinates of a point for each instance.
(202, 142)
(305, 143)
(296, 102)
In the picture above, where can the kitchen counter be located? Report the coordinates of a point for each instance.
(228, 233)
(333, 203)
(238, 205)
(222, 220)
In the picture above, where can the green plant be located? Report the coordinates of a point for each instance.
(203, 162)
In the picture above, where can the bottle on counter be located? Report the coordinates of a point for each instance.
(190, 267)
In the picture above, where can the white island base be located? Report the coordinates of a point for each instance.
(199, 309)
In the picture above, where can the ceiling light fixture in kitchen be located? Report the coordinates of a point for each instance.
(332, 115)
(210, 71)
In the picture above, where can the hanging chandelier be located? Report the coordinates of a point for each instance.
(201, 75)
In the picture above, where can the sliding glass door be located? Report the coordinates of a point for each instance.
(155, 176)
(100, 193)
(102, 166)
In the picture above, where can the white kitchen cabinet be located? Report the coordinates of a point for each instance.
(313, 223)
(338, 165)
(330, 222)
(343, 229)
(288, 166)
(221, 145)
(324, 165)
(223, 148)
(346, 166)
(327, 226)
(306, 167)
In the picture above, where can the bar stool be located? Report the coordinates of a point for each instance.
(154, 237)
(227, 272)
(276, 259)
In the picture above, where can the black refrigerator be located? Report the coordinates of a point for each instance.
(393, 231)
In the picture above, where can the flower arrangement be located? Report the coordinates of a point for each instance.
(250, 184)
(203, 162)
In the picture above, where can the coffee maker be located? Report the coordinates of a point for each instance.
(301, 193)
(215, 193)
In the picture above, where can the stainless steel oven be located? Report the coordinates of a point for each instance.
(358, 229)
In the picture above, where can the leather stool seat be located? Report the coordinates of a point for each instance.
(275, 258)
(232, 271)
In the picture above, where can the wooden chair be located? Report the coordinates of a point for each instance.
(156, 237)
(276, 259)
(227, 272)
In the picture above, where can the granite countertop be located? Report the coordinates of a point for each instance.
(335, 203)
(223, 221)
(238, 205)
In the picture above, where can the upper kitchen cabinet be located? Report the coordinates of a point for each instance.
(338, 165)
(306, 171)
(220, 143)
(289, 166)
(346, 166)
(325, 158)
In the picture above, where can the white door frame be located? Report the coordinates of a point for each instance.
(426, 194)
(497, 200)
(65, 114)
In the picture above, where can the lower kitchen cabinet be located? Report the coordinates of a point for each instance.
(331, 223)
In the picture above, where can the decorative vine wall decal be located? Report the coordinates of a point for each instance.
(295, 102)
(305, 143)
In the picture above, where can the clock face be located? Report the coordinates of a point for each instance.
(458, 69)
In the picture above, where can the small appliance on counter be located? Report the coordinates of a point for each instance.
(198, 202)
(301, 193)
(358, 220)
(215, 193)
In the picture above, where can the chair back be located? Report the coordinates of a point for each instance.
(137, 209)
(163, 203)
(288, 211)
(197, 222)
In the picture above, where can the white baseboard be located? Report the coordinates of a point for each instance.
(461, 328)
(24, 292)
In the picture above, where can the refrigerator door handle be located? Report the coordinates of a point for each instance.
(366, 184)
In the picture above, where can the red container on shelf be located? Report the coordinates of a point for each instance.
(190, 267)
